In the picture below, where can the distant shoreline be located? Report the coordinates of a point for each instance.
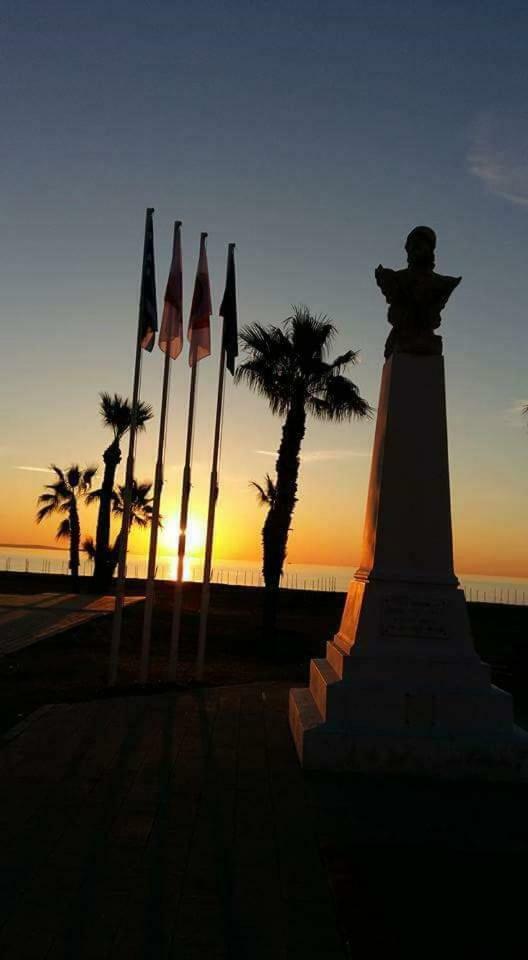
(33, 546)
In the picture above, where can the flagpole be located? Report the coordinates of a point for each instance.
(154, 524)
(127, 504)
(127, 496)
(184, 514)
(213, 495)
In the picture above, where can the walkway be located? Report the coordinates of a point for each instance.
(170, 826)
(25, 619)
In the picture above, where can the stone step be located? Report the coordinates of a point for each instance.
(303, 717)
(327, 691)
(337, 657)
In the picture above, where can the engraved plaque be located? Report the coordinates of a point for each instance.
(413, 617)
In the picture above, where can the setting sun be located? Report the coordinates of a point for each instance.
(195, 535)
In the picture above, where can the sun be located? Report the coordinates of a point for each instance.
(195, 535)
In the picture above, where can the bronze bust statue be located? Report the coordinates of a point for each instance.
(416, 296)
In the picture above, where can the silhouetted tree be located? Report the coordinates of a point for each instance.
(140, 516)
(71, 485)
(289, 366)
(116, 413)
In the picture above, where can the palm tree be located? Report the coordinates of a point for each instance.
(140, 516)
(116, 413)
(71, 485)
(289, 366)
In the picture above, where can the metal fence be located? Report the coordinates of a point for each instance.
(244, 577)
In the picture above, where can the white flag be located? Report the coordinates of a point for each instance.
(199, 332)
(171, 332)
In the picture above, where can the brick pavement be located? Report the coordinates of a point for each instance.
(171, 826)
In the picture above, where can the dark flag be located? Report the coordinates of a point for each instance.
(228, 311)
(148, 310)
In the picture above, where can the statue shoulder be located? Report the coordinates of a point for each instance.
(443, 288)
(389, 281)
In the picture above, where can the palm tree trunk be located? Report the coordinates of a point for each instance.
(75, 539)
(113, 556)
(103, 568)
(277, 525)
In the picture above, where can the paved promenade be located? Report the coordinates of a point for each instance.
(25, 619)
(169, 826)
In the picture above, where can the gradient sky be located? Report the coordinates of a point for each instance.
(314, 135)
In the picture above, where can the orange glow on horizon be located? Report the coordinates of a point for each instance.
(195, 541)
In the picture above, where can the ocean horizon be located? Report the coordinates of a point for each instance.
(307, 576)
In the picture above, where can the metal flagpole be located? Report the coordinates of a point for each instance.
(127, 505)
(158, 486)
(129, 476)
(184, 514)
(213, 494)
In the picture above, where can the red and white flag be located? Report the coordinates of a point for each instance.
(171, 332)
(199, 332)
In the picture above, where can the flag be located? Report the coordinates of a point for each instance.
(148, 311)
(171, 332)
(199, 332)
(228, 311)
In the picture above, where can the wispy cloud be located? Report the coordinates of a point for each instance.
(35, 469)
(497, 156)
(321, 456)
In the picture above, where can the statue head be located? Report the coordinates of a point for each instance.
(420, 246)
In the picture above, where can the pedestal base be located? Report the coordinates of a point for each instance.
(402, 691)
(402, 688)
(325, 746)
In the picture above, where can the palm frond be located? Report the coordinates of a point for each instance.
(58, 471)
(338, 400)
(311, 335)
(116, 413)
(60, 488)
(342, 362)
(267, 494)
(64, 529)
(88, 546)
(47, 498)
(93, 496)
(290, 367)
(140, 503)
(87, 476)
(45, 511)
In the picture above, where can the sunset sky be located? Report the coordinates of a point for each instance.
(315, 136)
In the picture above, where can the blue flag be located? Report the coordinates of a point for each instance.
(148, 310)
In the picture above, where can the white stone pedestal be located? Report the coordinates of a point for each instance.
(402, 688)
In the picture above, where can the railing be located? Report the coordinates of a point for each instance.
(244, 577)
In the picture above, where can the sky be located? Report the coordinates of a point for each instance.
(315, 135)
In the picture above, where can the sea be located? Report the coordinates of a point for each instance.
(248, 573)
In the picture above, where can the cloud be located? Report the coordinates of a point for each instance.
(35, 469)
(496, 156)
(321, 456)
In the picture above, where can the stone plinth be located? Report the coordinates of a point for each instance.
(402, 688)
